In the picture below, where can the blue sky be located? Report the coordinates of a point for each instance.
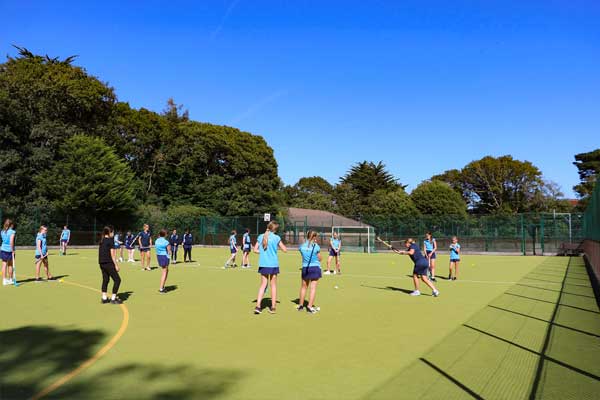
(424, 86)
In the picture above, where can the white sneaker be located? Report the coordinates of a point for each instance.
(415, 293)
(334, 272)
(5, 282)
(327, 273)
(120, 259)
(435, 293)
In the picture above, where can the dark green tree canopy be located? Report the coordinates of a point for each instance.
(588, 167)
(89, 178)
(310, 192)
(438, 198)
(367, 177)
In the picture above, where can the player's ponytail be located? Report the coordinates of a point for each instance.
(272, 227)
(7, 224)
(107, 231)
(410, 241)
(310, 236)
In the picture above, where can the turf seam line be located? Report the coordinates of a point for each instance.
(90, 361)
(552, 359)
(451, 379)
(543, 320)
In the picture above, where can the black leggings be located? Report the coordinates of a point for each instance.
(187, 253)
(109, 271)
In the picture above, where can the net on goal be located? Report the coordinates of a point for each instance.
(358, 239)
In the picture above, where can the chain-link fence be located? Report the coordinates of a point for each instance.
(518, 234)
(591, 228)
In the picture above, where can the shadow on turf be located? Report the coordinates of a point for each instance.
(124, 296)
(171, 288)
(502, 339)
(28, 354)
(392, 288)
(28, 280)
(266, 302)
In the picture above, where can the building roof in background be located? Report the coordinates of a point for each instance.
(317, 218)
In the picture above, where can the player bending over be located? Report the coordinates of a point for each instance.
(420, 268)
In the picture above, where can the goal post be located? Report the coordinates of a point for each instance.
(358, 239)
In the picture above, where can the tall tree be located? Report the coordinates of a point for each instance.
(438, 198)
(43, 102)
(88, 179)
(310, 192)
(367, 177)
(588, 167)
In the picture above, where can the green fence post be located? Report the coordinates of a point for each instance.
(542, 232)
(523, 235)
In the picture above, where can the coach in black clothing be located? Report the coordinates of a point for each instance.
(107, 258)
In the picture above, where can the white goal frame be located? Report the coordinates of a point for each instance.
(369, 230)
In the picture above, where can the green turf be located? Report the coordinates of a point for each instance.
(371, 340)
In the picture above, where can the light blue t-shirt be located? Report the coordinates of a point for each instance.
(429, 244)
(268, 258)
(454, 254)
(117, 239)
(335, 243)
(65, 235)
(41, 237)
(247, 241)
(6, 236)
(232, 242)
(309, 252)
(161, 246)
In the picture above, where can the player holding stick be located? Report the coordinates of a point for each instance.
(420, 268)
(430, 249)
(311, 271)
(335, 247)
(41, 254)
(163, 250)
(188, 242)
(130, 246)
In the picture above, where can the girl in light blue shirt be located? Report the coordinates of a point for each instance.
(266, 246)
(41, 254)
(311, 271)
(7, 251)
(163, 250)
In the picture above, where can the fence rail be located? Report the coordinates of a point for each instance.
(542, 233)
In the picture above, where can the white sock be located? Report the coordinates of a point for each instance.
(104, 296)
(114, 296)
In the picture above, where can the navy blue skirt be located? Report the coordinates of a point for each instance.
(6, 255)
(431, 256)
(421, 267)
(332, 253)
(268, 270)
(311, 273)
(163, 261)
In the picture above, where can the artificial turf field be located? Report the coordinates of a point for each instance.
(509, 328)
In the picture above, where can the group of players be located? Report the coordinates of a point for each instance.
(266, 246)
